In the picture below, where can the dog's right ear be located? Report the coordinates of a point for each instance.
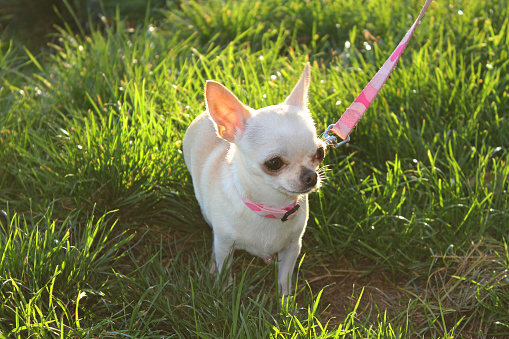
(299, 95)
(226, 110)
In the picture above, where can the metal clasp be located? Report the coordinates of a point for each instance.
(330, 140)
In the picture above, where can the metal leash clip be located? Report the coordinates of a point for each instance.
(330, 140)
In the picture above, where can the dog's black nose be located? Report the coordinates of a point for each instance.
(309, 178)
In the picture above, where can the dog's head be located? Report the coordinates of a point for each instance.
(277, 143)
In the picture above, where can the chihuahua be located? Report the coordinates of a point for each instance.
(252, 171)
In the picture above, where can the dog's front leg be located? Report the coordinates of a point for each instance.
(286, 263)
(222, 253)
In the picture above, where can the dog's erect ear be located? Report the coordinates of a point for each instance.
(299, 95)
(226, 110)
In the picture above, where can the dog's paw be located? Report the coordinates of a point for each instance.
(286, 300)
(213, 268)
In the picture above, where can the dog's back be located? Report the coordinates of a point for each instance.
(202, 144)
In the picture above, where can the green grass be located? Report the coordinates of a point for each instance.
(100, 234)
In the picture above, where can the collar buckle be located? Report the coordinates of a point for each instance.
(290, 212)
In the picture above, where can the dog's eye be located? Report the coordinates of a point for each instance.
(274, 164)
(320, 154)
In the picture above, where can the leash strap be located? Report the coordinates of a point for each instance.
(354, 113)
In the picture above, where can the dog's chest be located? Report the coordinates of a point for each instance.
(265, 236)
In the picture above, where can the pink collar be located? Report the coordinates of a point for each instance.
(284, 213)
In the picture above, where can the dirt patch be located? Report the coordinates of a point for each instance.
(342, 287)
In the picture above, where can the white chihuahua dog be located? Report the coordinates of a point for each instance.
(252, 170)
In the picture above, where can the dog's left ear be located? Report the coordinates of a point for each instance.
(299, 95)
(229, 114)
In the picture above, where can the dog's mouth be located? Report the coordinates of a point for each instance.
(304, 191)
(305, 186)
(295, 188)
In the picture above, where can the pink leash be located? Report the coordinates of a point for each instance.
(354, 113)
